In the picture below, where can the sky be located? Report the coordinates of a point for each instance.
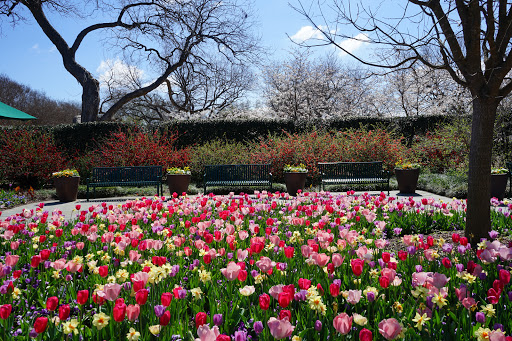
(27, 56)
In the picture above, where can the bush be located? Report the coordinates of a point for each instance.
(29, 157)
(137, 148)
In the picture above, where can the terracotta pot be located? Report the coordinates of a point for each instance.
(178, 183)
(294, 182)
(498, 185)
(407, 180)
(67, 188)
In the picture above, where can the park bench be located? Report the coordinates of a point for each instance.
(125, 176)
(353, 173)
(238, 175)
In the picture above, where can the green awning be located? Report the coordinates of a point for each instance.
(10, 113)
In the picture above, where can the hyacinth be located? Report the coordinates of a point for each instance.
(265, 266)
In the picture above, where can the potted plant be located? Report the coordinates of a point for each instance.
(407, 177)
(178, 179)
(66, 184)
(295, 178)
(499, 178)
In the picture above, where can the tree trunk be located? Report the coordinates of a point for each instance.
(90, 99)
(478, 223)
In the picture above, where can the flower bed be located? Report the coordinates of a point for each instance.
(245, 268)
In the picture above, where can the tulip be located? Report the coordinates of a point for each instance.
(132, 312)
(5, 311)
(334, 289)
(35, 260)
(285, 314)
(119, 311)
(103, 271)
(166, 299)
(218, 319)
(280, 329)
(165, 318)
(357, 266)
(52, 303)
(141, 296)
(64, 311)
(40, 324)
(258, 327)
(200, 319)
(365, 335)
(284, 299)
(82, 296)
(390, 328)
(264, 301)
(342, 323)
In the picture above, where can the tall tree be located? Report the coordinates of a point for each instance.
(164, 33)
(470, 39)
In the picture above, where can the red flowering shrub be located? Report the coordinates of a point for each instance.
(28, 158)
(137, 148)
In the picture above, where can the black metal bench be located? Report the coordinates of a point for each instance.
(353, 173)
(237, 175)
(125, 176)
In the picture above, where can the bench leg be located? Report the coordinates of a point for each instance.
(204, 193)
(87, 192)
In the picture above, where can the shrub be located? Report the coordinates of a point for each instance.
(29, 157)
(137, 148)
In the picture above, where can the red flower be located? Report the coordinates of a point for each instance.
(392, 265)
(5, 311)
(207, 258)
(320, 289)
(242, 275)
(504, 276)
(165, 318)
(52, 303)
(447, 263)
(58, 233)
(304, 283)
(357, 266)
(40, 324)
(64, 311)
(334, 289)
(98, 299)
(365, 335)
(285, 314)
(166, 299)
(141, 296)
(284, 299)
(119, 311)
(455, 237)
(200, 319)
(82, 296)
(34, 262)
(45, 254)
(384, 282)
(103, 271)
(264, 301)
(493, 296)
(386, 256)
(223, 337)
(289, 251)
(402, 255)
(16, 274)
(138, 285)
(463, 241)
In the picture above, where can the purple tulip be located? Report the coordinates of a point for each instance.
(217, 319)
(318, 325)
(159, 310)
(258, 327)
(480, 317)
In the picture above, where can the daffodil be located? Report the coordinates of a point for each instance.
(420, 320)
(133, 335)
(100, 320)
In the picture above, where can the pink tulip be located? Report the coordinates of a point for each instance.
(468, 302)
(231, 271)
(440, 280)
(265, 264)
(59, 264)
(80, 245)
(497, 335)
(354, 296)
(141, 276)
(337, 260)
(276, 290)
(206, 334)
(389, 273)
(110, 291)
(306, 250)
(15, 245)
(280, 329)
(342, 323)
(134, 255)
(11, 260)
(241, 254)
(321, 259)
(132, 312)
(389, 328)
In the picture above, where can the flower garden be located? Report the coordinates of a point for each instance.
(260, 267)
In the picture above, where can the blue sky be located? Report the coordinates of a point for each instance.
(30, 58)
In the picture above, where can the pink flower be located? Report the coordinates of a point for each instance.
(132, 312)
(231, 271)
(110, 291)
(276, 290)
(321, 259)
(381, 243)
(134, 255)
(337, 259)
(206, 334)
(389, 273)
(440, 280)
(11, 260)
(141, 276)
(389, 328)
(497, 335)
(241, 254)
(468, 302)
(265, 264)
(342, 323)
(306, 250)
(354, 296)
(280, 329)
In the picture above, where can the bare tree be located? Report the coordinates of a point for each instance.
(163, 33)
(469, 39)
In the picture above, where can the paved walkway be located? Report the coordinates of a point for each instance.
(70, 207)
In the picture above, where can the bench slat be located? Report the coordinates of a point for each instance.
(237, 175)
(352, 173)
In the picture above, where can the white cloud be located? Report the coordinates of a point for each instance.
(306, 33)
(36, 48)
(352, 44)
(117, 73)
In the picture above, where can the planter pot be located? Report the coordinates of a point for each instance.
(407, 180)
(67, 188)
(294, 182)
(178, 183)
(498, 185)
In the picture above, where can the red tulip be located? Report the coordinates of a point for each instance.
(103, 271)
(207, 258)
(285, 314)
(386, 256)
(289, 251)
(357, 266)
(455, 237)
(137, 285)
(446, 262)
(504, 276)
(40, 324)
(16, 274)
(384, 282)
(34, 262)
(166, 299)
(264, 301)
(45, 254)
(82, 296)
(64, 311)
(365, 335)
(223, 337)
(402, 255)
(284, 299)
(334, 289)
(141, 296)
(200, 319)
(242, 275)
(52, 303)
(165, 318)
(304, 283)
(463, 241)
(119, 311)
(5, 311)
